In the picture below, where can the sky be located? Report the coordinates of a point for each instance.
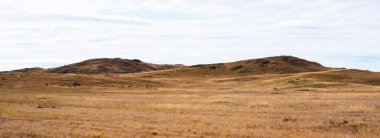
(51, 33)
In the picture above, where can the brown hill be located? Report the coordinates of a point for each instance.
(346, 76)
(331, 79)
(281, 72)
(107, 65)
(270, 65)
(26, 70)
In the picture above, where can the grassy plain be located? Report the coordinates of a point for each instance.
(163, 104)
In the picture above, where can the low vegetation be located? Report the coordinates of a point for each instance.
(198, 101)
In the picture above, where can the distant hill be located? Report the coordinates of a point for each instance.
(280, 72)
(269, 65)
(331, 79)
(110, 65)
(27, 70)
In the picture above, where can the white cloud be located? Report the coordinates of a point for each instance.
(47, 33)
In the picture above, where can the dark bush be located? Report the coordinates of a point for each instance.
(76, 84)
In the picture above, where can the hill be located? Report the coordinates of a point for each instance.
(26, 70)
(269, 65)
(108, 65)
(273, 97)
(283, 72)
(331, 79)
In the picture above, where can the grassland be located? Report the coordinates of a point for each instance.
(167, 104)
(272, 97)
(88, 112)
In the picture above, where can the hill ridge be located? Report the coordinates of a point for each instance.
(268, 65)
(110, 65)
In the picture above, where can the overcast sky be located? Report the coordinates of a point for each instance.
(49, 33)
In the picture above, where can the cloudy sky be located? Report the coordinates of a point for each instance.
(49, 33)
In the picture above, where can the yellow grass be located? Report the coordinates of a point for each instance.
(182, 113)
(186, 106)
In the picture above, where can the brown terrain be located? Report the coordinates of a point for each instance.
(280, 96)
(116, 65)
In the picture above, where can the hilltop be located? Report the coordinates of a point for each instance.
(284, 72)
(110, 65)
(269, 65)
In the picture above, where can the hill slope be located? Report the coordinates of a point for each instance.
(332, 79)
(270, 65)
(107, 65)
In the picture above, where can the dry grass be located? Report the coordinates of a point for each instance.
(182, 113)
(186, 106)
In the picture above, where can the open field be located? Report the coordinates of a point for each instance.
(36, 111)
(216, 100)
